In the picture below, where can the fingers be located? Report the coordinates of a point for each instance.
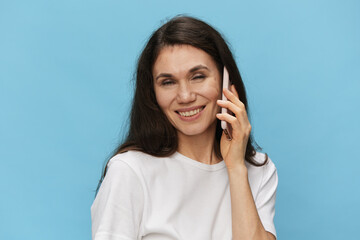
(233, 90)
(234, 104)
(235, 124)
(240, 121)
(239, 111)
(240, 129)
(233, 96)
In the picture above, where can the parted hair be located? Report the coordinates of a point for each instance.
(150, 131)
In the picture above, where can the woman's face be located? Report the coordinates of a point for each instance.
(187, 84)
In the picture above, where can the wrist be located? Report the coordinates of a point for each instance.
(239, 169)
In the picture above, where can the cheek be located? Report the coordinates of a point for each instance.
(211, 92)
(163, 99)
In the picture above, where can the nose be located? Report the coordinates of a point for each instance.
(185, 93)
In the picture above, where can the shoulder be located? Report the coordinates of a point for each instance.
(122, 166)
(261, 158)
(130, 157)
(120, 180)
(262, 175)
(138, 162)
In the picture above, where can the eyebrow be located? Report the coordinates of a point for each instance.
(194, 69)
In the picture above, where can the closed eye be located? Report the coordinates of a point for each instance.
(199, 77)
(167, 82)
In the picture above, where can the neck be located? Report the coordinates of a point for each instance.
(199, 147)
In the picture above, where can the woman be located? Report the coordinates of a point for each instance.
(177, 176)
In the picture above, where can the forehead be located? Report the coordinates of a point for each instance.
(178, 59)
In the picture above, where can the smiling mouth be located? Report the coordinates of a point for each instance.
(190, 113)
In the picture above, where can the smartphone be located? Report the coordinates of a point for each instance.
(224, 125)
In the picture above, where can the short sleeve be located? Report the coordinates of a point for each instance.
(265, 200)
(117, 210)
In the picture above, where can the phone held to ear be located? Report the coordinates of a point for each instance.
(224, 125)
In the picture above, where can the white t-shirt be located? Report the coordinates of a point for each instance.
(146, 197)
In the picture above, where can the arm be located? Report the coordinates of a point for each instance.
(246, 222)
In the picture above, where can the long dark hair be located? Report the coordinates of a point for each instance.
(150, 131)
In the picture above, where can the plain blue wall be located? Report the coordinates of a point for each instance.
(65, 71)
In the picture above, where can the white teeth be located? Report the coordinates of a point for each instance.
(190, 113)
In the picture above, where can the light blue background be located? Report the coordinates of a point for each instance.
(65, 90)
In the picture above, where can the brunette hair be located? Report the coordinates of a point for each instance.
(150, 131)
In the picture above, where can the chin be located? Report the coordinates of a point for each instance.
(190, 133)
(194, 130)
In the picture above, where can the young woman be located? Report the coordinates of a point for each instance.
(177, 176)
